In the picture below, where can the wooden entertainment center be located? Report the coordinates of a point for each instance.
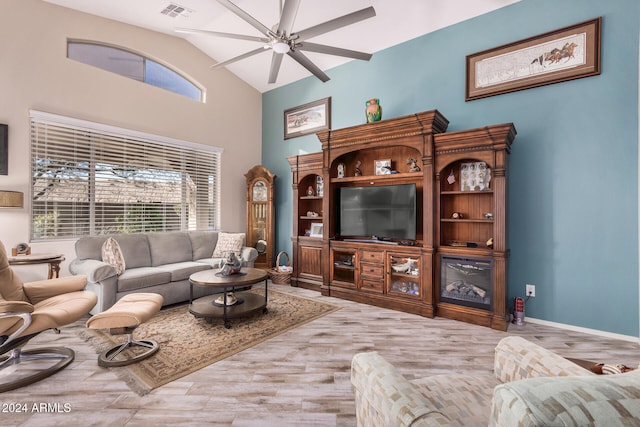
(455, 267)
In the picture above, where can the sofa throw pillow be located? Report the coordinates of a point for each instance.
(228, 242)
(112, 254)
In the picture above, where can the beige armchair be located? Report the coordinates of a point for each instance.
(26, 309)
(530, 386)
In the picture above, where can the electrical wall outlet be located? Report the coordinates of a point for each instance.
(530, 290)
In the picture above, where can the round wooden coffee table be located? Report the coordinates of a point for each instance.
(247, 302)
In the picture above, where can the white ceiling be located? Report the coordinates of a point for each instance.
(396, 21)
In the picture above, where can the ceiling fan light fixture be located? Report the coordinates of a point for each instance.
(281, 47)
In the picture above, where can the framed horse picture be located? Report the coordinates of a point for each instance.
(565, 54)
(308, 118)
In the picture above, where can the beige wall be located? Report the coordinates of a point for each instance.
(35, 74)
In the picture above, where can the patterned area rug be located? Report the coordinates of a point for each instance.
(188, 344)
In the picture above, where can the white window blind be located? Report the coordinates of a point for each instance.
(93, 179)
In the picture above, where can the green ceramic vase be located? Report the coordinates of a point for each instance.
(373, 110)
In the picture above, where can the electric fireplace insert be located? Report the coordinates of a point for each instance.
(467, 281)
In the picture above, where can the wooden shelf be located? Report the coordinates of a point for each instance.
(480, 251)
(306, 250)
(466, 193)
(380, 178)
(405, 276)
(303, 237)
(471, 221)
(488, 145)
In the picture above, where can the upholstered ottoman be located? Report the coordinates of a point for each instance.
(124, 317)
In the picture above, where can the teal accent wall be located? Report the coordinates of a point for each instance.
(573, 178)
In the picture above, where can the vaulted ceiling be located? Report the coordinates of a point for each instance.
(395, 22)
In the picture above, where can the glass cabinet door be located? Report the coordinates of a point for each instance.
(259, 222)
(405, 274)
(260, 191)
(259, 215)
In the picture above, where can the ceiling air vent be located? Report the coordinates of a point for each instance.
(174, 10)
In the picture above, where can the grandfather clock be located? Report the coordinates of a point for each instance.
(260, 214)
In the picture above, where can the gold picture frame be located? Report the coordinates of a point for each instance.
(568, 53)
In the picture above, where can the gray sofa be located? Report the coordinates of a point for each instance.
(159, 262)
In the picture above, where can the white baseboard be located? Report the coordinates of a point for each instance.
(583, 330)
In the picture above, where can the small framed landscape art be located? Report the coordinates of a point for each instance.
(565, 54)
(307, 118)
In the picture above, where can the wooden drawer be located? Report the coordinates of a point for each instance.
(371, 285)
(372, 271)
(371, 256)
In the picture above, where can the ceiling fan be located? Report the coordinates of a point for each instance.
(282, 41)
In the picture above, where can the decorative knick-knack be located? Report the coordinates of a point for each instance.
(373, 110)
(413, 165)
(358, 172)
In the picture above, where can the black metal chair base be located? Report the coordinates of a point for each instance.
(107, 358)
(19, 357)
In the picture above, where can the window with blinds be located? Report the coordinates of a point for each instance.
(93, 179)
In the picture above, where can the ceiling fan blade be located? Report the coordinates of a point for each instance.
(336, 23)
(218, 34)
(330, 50)
(306, 63)
(288, 15)
(276, 60)
(238, 58)
(245, 16)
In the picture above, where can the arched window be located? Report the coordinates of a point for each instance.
(133, 66)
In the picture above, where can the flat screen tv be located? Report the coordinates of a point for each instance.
(385, 211)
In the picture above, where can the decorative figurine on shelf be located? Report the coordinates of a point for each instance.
(340, 170)
(413, 165)
(232, 265)
(358, 172)
(387, 170)
(490, 243)
(319, 186)
(310, 191)
(457, 215)
(373, 110)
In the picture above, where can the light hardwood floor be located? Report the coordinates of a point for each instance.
(300, 378)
